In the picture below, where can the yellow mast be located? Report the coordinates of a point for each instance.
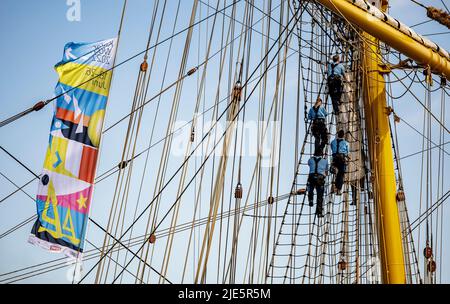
(381, 157)
(377, 121)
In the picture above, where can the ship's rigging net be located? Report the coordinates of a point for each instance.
(343, 246)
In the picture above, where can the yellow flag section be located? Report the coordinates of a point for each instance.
(90, 78)
(65, 188)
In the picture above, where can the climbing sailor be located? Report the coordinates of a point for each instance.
(318, 169)
(339, 149)
(335, 73)
(317, 115)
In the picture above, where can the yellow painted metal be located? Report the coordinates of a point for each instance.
(377, 124)
(382, 162)
(381, 157)
(390, 35)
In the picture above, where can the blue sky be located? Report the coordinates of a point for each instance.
(33, 34)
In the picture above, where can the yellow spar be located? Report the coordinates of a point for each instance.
(381, 156)
(390, 35)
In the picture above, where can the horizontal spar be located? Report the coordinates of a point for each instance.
(393, 33)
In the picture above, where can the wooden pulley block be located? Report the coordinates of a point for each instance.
(152, 239)
(400, 196)
(431, 266)
(342, 265)
(144, 66)
(428, 252)
(238, 191)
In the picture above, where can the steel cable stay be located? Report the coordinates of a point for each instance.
(424, 215)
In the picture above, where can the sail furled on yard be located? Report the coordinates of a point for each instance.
(66, 183)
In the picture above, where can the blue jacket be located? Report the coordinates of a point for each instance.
(343, 147)
(321, 113)
(339, 69)
(322, 165)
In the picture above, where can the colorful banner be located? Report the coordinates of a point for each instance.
(65, 189)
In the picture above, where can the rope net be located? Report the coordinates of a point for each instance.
(341, 247)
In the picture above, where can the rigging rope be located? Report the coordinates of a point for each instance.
(222, 136)
(42, 104)
(339, 248)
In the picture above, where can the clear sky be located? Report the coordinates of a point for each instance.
(33, 34)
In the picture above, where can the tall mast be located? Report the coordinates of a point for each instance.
(382, 160)
(377, 122)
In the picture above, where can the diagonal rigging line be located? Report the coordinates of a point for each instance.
(17, 190)
(128, 249)
(184, 162)
(441, 147)
(18, 161)
(224, 99)
(11, 119)
(116, 262)
(101, 177)
(18, 187)
(426, 213)
(446, 8)
(425, 150)
(251, 26)
(436, 34)
(213, 148)
(186, 75)
(135, 240)
(90, 219)
(420, 23)
(18, 226)
(24, 166)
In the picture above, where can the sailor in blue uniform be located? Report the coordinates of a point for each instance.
(317, 115)
(339, 149)
(318, 170)
(335, 73)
